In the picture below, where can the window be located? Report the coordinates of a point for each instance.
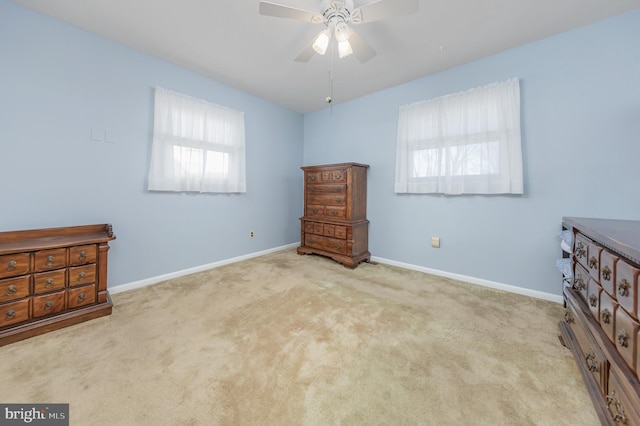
(465, 143)
(197, 146)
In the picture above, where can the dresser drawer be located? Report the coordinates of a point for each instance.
(330, 189)
(593, 255)
(14, 312)
(14, 288)
(333, 212)
(626, 335)
(332, 245)
(627, 287)
(608, 308)
(47, 260)
(46, 282)
(14, 264)
(48, 304)
(593, 298)
(329, 200)
(592, 357)
(80, 296)
(580, 279)
(82, 255)
(81, 275)
(621, 408)
(329, 230)
(580, 249)
(608, 262)
(341, 232)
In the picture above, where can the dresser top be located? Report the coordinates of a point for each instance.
(621, 236)
(333, 166)
(40, 239)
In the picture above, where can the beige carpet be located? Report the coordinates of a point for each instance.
(300, 340)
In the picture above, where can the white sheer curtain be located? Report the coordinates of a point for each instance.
(464, 143)
(197, 146)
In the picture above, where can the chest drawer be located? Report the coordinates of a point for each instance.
(333, 245)
(80, 296)
(580, 249)
(48, 304)
(81, 275)
(608, 262)
(331, 189)
(81, 255)
(328, 200)
(593, 255)
(627, 287)
(47, 260)
(14, 288)
(580, 280)
(626, 335)
(621, 408)
(46, 282)
(14, 312)
(14, 264)
(593, 359)
(608, 308)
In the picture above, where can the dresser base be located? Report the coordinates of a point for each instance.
(56, 322)
(347, 261)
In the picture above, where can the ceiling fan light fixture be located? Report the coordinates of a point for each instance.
(344, 49)
(322, 42)
(343, 32)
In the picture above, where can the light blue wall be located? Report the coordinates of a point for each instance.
(57, 83)
(580, 96)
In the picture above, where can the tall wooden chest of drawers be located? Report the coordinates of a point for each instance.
(52, 278)
(335, 213)
(601, 324)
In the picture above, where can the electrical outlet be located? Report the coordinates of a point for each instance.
(435, 242)
(251, 234)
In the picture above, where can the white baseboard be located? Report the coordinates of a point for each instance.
(471, 280)
(154, 280)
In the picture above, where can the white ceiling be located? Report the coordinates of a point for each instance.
(229, 41)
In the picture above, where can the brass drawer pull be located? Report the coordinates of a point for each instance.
(568, 317)
(50, 260)
(12, 289)
(592, 362)
(315, 211)
(312, 178)
(593, 300)
(593, 263)
(623, 288)
(580, 251)
(618, 416)
(606, 273)
(82, 275)
(337, 246)
(338, 200)
(81, 297)
(49, 283)
(334, 212)
(10, 314)
(578, 283)
(337, 177)
(312, 241)
(83, 254)
(48, 305)
(606, 316)
(11, 265)
(623, 338)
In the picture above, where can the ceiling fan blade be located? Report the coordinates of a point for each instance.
(307, 53)
(361, 48)
(282, 11)
(381, 9)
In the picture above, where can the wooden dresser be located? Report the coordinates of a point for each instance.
(601, 322)
(335, 213)
(52, 278)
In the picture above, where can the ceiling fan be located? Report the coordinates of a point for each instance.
(337, 15)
